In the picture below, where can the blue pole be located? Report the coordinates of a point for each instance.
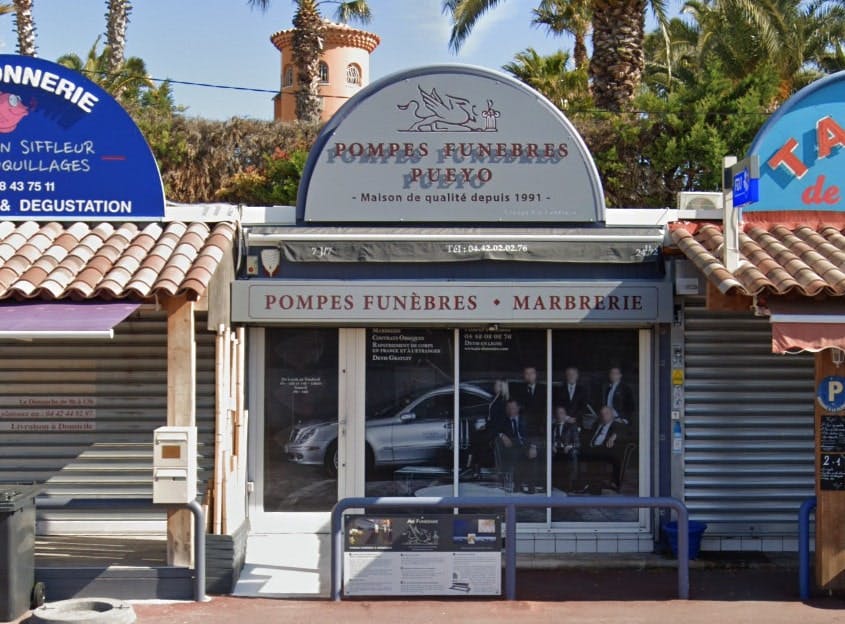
(199, 550)
(510, 552)
(683, 552)
(804, 512)
(337, 550)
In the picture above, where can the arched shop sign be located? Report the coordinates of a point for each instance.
(450, 144)
(68, 150)
(800, 150)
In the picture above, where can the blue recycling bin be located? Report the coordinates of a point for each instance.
(696, 531)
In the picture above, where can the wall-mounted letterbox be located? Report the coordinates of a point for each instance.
(174, 465)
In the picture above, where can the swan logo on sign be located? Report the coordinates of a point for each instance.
(69, 151)
(831, 394)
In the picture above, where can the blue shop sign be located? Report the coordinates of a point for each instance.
(831, 393)
(746, 188)
(69, 151)
(801, 156)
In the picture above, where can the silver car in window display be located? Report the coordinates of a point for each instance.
(413, 432)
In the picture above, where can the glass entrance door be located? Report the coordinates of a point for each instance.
(300, 409)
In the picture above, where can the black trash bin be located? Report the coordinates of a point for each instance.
(17, 549)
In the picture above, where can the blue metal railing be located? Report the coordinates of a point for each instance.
(146, 504)
(510, 505)
(804, 512)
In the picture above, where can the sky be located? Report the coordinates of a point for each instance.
(225, 42)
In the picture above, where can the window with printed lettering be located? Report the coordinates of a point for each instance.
(300, 419)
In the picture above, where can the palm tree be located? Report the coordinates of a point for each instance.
(672, 56)
(117, 18)
(798, 40)
(25, 27)
(567, 16)
(307, 45)
(616, 66)
(125, 83)
(551, 76)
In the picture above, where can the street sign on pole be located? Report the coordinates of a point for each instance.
(745, 179)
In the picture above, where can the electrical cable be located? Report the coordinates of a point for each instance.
(572, 111)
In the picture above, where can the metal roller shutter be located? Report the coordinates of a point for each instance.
(117, 387)
(748, 458)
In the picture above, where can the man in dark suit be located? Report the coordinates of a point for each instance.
(531, 397)
(566, 447)
(573, 396)
(518, 454)
(619, 397)
(603, 445)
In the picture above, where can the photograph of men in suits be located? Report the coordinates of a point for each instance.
(481, 440)
(619, 397)
(566, 446)
(518, 455)
(531, 397)
(603, 445)
(573, 396)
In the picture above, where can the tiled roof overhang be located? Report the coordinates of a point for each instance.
(775, 259)
(109, 261)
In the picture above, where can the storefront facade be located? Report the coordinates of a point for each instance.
(391, 359)
(778, 256)
(109, 306)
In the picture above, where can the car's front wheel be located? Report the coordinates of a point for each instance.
(330, 461)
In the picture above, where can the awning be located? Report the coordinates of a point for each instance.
(425, 245)
(62, 320)
(807, 326)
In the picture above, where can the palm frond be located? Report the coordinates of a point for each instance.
(353, 11)
(465, 15)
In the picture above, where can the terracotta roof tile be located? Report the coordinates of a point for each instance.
(103, 230)
(775, 259)
(34, 275)
(80, 260)
(7, 277)
(143, 280)
(6, 228)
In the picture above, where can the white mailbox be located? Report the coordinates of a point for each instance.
(174, 464)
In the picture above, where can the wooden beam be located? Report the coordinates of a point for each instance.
(717, 301)
(830, 509)
(181, 410)
(218, 294)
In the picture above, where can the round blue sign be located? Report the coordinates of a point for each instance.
(68, 150)
(831, 393)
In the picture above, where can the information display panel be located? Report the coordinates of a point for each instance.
(438, 555)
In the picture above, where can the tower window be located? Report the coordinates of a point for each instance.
(353, 75)
(324, 72)
(287, 79)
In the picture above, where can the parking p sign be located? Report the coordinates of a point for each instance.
(831, 394)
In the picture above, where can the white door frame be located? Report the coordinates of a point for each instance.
(350, 419)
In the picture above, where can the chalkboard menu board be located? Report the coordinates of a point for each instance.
(832, 457)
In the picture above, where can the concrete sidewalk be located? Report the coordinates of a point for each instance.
(719, 595)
